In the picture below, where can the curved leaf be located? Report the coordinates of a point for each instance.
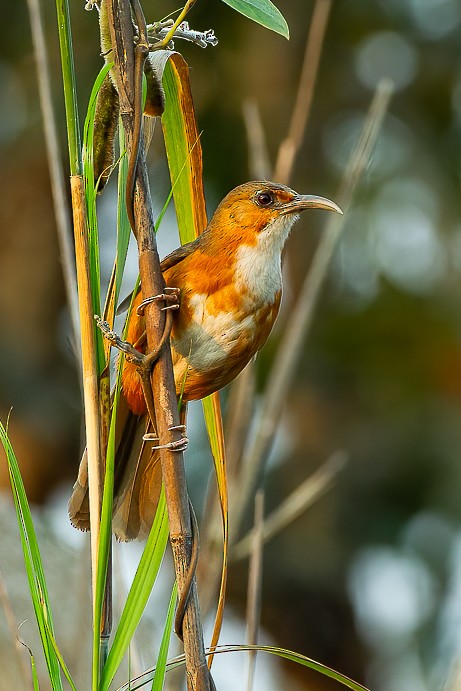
(262, 12)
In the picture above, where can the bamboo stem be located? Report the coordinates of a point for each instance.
(89, 366)
(126, 70)
(87, 328)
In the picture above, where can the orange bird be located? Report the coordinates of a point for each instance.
(230, 286)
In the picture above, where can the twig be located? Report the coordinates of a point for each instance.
(253, 613)
(291, 145)
(160, 31)
(171, 32)
(303, 497)
(58, 189)
(259, 163)
(128, 67)
(302, 315)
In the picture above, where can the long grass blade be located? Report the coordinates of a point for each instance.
(299, 659)
(140, 591)
(160, 668)
(33, 563)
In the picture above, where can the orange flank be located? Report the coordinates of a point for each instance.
(230, 286)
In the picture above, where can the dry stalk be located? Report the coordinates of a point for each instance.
(58, 187)
(253, 613)
(128, 64)
(303, 497)
(290, 146)
(303, 312)
(89, 367)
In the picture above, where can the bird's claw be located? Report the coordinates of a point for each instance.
(170, 296)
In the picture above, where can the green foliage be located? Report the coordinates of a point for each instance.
(139, 594)
(160, 668)
(34, 566)
(262, 12)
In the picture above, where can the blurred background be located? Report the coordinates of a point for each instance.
(367, 580)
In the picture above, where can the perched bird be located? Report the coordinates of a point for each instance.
(230, 286)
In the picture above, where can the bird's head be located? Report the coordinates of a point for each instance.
(262, 211)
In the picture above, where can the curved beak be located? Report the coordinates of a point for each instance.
(310, 201)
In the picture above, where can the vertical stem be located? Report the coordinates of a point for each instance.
(87, 328)
(70, 91)
(291, 144)
(61, 207)
(128, 63)
(89, 367)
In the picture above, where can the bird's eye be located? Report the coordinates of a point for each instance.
(264, 198)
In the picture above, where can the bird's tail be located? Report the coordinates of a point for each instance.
(137, 485)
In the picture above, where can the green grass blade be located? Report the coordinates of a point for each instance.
(60, 658)
(33, 667)
(33, 563)
(105, 535)
(179, 661)
(160, 668)
(262, 12)
(140, 591)
(69, 82)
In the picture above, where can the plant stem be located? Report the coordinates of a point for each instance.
(87, 327)
(70, 91)
(61, 206)
(127, 71)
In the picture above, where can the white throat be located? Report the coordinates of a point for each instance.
(258, 268)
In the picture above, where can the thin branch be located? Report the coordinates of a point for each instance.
(302, 498)
(302, 315)
(128, 70)
(289, 148)
(258, 156)
(58, 188)
(253, 612)
(171, 32)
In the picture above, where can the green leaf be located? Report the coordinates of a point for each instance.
(182, 144)
(262, 12)
(140, 591)
(160, 668)
(33, 564)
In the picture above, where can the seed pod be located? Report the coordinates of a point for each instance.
(105, 128)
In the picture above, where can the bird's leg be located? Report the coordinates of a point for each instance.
(132, 354)
(143, 361)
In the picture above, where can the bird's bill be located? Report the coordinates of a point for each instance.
(310, 201)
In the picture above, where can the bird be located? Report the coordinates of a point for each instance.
(229, 286)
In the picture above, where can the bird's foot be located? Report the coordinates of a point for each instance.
(131, 353)
(170, 297)
(176, 445)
